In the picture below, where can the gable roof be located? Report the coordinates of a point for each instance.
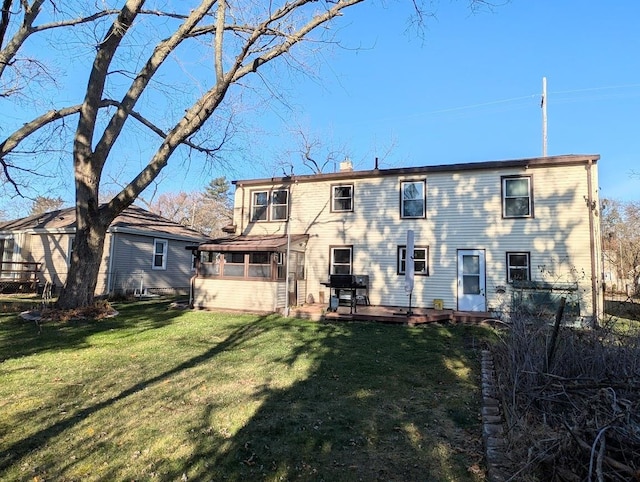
(133, 220)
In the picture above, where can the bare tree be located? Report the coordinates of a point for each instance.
(130, 53)
(245, 36)
(621, 240)
(196, 210)
(43, 204)
(317, 154)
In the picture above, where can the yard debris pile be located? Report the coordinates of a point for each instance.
(577, 417)
(98, 311)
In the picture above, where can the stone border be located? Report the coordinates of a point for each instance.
(492, 422)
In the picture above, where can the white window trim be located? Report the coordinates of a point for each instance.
(403, 249)
(270, 206)
(424, 198)
(519, 253)
(529, 196)
(332, 258)
(254, 206)
(165, 249)
(334, 198)
(72, 240)
(274, 205)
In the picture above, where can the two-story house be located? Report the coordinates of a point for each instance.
(486, 235)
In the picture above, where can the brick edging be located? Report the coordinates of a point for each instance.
(492, 421)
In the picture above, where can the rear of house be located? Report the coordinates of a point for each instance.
(486, 235)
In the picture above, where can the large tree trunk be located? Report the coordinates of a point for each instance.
(79, 289)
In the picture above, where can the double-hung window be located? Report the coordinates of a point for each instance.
(342, 198)
(518, 267)
(420, 260)
(270, 205)
(517, 197)
(413, 199)
(341, 260)
(279, 205)
(159, 254)
(259, 205)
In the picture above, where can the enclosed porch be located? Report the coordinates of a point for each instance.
(250, 273)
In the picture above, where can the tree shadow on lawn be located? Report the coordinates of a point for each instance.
(407, 413)
(20, 337)
(376, 403)
(12, 454)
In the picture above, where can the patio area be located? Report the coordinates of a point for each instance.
(389, 314)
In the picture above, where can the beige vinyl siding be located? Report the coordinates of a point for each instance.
(51, 251)
(240, 295)
(464, 211)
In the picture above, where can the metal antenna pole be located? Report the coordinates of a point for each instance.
(543, 104)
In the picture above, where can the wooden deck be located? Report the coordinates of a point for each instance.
(19, 276)
(391, 314)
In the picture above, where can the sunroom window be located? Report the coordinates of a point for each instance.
(259, 265)
(233, 265)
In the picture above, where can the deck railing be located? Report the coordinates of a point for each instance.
(19, 275)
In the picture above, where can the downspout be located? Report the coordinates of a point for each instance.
(112, 252)
(191, 289)
(242, 210)
(592, 242)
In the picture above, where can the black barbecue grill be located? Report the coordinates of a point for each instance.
(350, 289)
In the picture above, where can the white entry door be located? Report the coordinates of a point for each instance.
(471, 280)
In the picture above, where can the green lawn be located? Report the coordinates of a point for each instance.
(157, 394)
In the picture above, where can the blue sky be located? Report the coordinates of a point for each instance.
(468, 90)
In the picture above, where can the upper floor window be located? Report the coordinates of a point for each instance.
(342, 198)
(413, 199)
(279, 205)
(341, 260)
(160, 254)
(518, 267)
(420, 260)
(277, 199)
(517, 197)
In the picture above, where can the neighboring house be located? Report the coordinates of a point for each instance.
(487, 235)
(143, 252)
